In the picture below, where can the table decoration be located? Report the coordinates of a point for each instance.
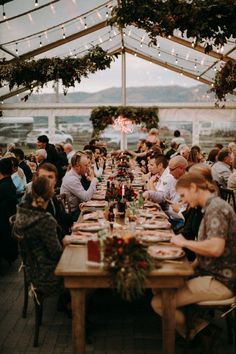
(128, 262)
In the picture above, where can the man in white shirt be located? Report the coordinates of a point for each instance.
(166, 193)
(72, 186)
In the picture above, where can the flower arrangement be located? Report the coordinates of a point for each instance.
(115, 193)
(128, 262)
(103, 116)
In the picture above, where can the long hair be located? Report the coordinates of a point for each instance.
(42, 190)
(194, 177)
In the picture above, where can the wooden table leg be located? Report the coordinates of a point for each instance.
(168, 320)
(78, 320)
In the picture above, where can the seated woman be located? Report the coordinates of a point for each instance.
(215, 267)
(38, 230)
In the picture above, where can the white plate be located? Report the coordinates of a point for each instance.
(165, 252)
(145, 214)
(81, 240)
(157, 225)
(155, 238)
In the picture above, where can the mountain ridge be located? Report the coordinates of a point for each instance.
(142, 94)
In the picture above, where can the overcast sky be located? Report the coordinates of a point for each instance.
(139, 73)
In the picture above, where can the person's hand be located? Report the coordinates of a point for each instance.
(81, 206)
(175, 207)
(146, 195)
(90, 174)
(154, 179)
(178, 240)
(66, 240)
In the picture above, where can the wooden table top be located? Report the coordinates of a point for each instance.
(73, 263)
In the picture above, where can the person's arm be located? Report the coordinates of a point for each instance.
(213, 247)
(75, 187)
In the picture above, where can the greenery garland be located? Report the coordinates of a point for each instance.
(103, 116)
(211, 22)
(225, 80)
(39, 72)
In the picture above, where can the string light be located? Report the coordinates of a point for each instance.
(159, 54)
(63, 32)
(106, 12)
(214, 68)
(16, 49)
(36, 3)
(85, 24)
(176, 60)
(40, 43)
(3, 12)
(195, 65)
(198, 77)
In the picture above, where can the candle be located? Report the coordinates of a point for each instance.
(123, 191)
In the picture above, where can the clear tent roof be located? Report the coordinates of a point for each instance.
(71, 27)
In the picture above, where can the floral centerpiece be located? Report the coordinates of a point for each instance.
(128, 262)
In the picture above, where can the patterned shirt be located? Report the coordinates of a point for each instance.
(219, 220)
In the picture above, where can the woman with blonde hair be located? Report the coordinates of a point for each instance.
(215, 267)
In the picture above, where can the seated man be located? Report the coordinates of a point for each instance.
(72, 186)
(221, 170)
(166, 194)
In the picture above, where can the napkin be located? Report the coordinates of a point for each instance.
(93, 251)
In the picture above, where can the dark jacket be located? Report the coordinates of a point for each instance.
(40, 247)
(27, 171)
(52, 155)
(8, 201)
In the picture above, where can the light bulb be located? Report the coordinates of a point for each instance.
(36, 3)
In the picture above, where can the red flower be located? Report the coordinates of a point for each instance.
(142, 264)
(120, 250)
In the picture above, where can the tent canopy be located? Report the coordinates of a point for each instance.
(43, 28)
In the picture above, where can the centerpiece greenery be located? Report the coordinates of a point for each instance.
(128, 262)
(103, 116)
(30, 73)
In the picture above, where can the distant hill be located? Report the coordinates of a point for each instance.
(146, 94)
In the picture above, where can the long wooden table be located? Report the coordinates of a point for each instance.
(78, 277)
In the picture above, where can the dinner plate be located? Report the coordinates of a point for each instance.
(86, 226)
(146, 214)
(157, 225)
(155, 238)
(165, 252)
(96, 203)
(81, 240)
(90, 228)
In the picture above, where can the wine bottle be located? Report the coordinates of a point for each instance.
(140, 200)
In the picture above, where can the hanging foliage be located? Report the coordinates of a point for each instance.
(103, 116)
(225, 80)
(29, 73)
(211, 22)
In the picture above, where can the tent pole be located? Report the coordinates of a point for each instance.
(123, 141)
